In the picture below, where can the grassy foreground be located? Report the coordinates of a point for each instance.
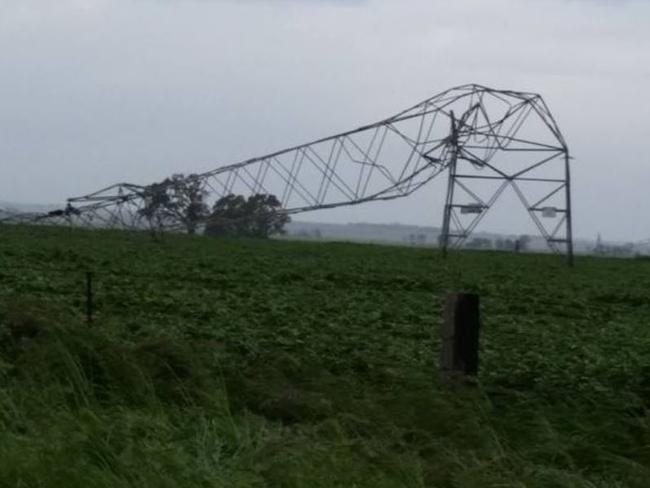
(216, 363)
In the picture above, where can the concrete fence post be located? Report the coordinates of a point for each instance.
(460, 335)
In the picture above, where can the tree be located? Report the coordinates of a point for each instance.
(479, 243)
(156, 200)
(524, 242)
(228, 217)
(178, 200)
(259, 215)
(505, 244)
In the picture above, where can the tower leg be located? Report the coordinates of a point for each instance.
(451, 184)
(446, 218)
(569, 217)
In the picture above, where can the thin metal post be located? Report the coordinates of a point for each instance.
(89, 297)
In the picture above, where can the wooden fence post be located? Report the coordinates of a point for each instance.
(460, 335)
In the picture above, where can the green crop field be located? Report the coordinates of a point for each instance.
(226, 363)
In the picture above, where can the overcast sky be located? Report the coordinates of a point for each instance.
(94, 92)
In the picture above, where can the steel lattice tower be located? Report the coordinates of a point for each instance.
(486, 140)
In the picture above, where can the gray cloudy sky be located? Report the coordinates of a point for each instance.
(97, 91)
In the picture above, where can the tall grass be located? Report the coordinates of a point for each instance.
(82, 407)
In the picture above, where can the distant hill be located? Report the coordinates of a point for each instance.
(365, 232)
(12, 207)
(388, 233)
(428, 236)
(393, 233)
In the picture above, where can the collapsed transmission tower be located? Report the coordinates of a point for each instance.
(486, 140)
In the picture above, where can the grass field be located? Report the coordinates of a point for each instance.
(217, 363)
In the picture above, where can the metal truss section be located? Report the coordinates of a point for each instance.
(507, 140)
(476, 134)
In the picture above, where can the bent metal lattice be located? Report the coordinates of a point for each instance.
(486, 140)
